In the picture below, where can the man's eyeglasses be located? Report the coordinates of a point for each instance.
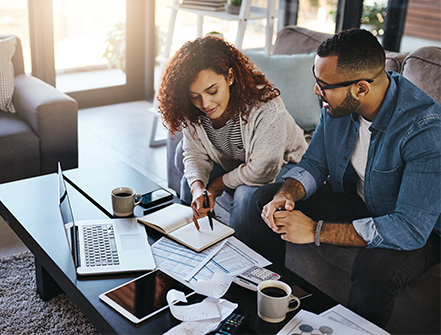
(322, 88)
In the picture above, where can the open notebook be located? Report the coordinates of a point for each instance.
(175, 221)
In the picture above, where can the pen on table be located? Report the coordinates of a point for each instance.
(206, 205)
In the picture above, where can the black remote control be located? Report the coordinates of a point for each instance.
(230, 325)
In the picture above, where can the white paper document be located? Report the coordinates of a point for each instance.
(211, 274)
(204, 310)
(179, 260)
(233, 258)
(230, 256)
(336, 320)
(216, 287)
(224, 307)
(305, 322)
(345, 316)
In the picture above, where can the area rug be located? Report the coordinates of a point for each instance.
(22, 311)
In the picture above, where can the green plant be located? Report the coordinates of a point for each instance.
(115, 47)
(374, 16)
(236, 2)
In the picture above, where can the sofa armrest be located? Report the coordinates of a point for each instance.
(53, 116)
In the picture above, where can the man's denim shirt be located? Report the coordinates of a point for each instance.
(402, 185)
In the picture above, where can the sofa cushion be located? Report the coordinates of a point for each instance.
(327, 267)
(291, 74)
(423, 68)
(7, 49)
(298, 40)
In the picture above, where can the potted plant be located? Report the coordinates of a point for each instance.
(233, 6)
(215, 34)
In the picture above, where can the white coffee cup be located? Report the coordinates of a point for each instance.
(274, 299)
(123, 201)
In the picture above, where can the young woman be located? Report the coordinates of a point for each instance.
(237, 133)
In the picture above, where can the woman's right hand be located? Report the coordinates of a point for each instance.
(197, 204)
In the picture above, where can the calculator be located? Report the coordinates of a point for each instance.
(253, 276)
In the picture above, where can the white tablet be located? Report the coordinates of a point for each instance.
(144, 296)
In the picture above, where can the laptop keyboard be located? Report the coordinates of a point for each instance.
(100, 245)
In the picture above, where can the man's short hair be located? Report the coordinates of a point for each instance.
(356, 49)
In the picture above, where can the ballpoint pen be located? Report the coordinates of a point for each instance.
(206, 205)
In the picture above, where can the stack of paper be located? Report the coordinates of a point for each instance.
(211, 5)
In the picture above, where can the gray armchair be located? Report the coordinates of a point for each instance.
(43, 130)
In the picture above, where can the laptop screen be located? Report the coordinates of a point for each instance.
(67, 214)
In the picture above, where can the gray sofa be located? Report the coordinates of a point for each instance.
(417, 308)
(43, 130)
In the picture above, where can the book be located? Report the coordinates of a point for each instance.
(204, 5)
(198, 7)
(175, 221)
(206, 2)
(195, 3)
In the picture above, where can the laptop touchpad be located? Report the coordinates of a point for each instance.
(132, 241)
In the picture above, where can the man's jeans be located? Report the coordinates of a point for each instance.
(241, 200)
(377, 274)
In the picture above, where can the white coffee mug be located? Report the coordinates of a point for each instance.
(123, 201)
(274, 299)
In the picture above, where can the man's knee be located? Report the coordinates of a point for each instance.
(243, 193)
(372, 273)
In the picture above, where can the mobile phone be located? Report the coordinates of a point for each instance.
(155, 197)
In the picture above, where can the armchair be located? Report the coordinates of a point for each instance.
(43, 130)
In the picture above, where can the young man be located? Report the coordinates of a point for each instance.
(370, 178)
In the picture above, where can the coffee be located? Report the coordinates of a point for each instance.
(275, 292)
(274, 300)
(124, 200)
(124, 195)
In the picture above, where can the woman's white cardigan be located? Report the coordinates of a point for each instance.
(271, 139)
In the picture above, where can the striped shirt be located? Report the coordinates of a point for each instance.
(227, 139)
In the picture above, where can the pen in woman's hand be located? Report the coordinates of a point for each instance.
(206, 205)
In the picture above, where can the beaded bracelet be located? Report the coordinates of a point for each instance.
(318, 229)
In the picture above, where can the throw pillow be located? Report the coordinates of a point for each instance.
(297, 40)
(7, 49)
(292, 75)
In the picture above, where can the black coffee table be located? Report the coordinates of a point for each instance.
(30, 207)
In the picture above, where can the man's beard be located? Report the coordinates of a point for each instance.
(348, 106)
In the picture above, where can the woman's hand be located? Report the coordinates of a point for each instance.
(197, 204)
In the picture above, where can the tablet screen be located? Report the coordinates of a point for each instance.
(145, 295)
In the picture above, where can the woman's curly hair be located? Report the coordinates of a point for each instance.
(248, 89)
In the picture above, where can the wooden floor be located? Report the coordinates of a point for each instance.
(107, 134)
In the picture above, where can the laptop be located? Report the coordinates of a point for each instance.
(104, 246)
